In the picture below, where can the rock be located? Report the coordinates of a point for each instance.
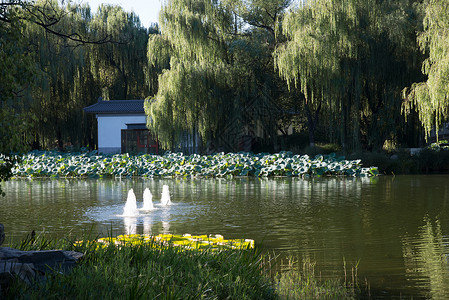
(10, 270)
(29, 266)
(2, 234)
(43, 260)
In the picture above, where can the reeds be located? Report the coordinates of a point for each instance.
(146, 271)
(299, 281)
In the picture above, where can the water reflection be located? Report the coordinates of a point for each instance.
(165, 227)
(324, 219)
(130, 225)
(426, 260)
(147, 223)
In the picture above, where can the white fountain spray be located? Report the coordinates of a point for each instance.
(147, 200)
(130, 209)
(165, 199)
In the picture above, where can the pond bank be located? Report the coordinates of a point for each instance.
(426, 161)
(142, 271)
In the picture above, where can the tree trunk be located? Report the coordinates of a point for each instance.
(312, 121)
(59, 138)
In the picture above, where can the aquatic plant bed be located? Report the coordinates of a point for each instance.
(56, 164)
(186, 241)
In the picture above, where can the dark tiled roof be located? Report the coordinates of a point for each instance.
(116, 106)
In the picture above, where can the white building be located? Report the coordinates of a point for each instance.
(122, 127)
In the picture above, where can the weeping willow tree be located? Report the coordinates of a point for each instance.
(118, 66)
(56, 100)
(16, 74)
(320, 35)
(214, 56)
(348, 57)
(193, 44)
(17, 70)
(430, 98)
(75, 57)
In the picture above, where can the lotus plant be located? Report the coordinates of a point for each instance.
(92, 164)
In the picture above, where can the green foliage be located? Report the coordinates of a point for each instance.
(440, 145)
(54, 164)
(430, 160)
(56, 58)
(118, 67)
(12, 139)
(352, 57)
(57, 98)
(307, 60)
(147, 272)
(226, 70)
(434, 159)
(16, 65)
(431, 97)
(16, 75)
(73, 75)
(6, 165)
(294, 282)
(12, 131)
(193, 38)
(217, 70)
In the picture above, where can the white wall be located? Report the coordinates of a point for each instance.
(109, 130)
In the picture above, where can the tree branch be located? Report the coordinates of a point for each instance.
(47, 16)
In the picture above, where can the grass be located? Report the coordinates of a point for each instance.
(143, 271)
(427, 161)
(301, 282)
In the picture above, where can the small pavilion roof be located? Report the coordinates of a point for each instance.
(116, 107)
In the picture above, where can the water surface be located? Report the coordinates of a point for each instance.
(394, 229)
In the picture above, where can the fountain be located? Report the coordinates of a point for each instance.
(165, 199)
(130, 225)
(130, 209)
(147, 200)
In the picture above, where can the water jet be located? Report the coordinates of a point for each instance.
(147, 200)
(165, 199)
(130, 209)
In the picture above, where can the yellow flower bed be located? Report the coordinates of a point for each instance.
(186, 241)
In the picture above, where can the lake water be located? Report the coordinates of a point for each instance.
(395, 229)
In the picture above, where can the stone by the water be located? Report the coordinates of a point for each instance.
(43, 260)
(31, 266)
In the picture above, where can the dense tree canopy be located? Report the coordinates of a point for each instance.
(60, 58)
(55, 59)
(353, 57)
(229, 72)
(118, 67)
(341, 61)
(431, 97)
(218, 73)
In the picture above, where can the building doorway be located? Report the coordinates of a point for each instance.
(138, 140)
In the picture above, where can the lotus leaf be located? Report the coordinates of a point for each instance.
(38, 163)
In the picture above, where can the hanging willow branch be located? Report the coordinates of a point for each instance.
(431, 98)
